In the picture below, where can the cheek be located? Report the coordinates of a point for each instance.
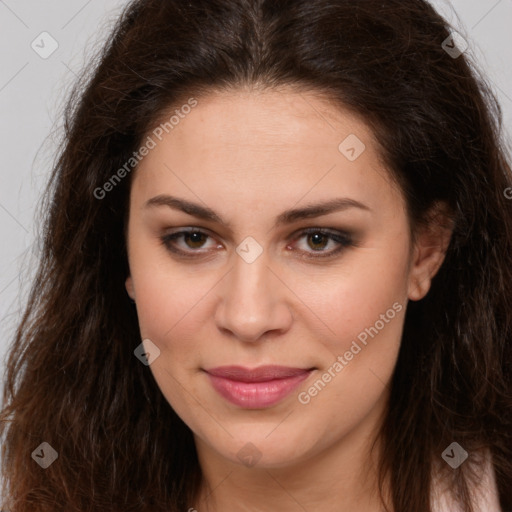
(364, 311)
(168, 303)
(364, 297)
(169, 308)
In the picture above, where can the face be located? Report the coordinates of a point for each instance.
(262, 232)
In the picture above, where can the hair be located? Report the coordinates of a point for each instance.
(72, 379)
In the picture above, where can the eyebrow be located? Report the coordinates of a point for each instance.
(287, 217)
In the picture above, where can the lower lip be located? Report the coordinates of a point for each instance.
(256, 395)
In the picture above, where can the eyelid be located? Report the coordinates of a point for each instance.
(167, 238)
(342, 238)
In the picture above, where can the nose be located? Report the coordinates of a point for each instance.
(254, 301)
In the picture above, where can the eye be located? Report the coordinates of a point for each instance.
(192, 238)
(317, 240)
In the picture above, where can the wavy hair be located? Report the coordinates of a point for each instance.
(72, 379)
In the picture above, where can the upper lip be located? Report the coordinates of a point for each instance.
(259, 374)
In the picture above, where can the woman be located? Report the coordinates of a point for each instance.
(276, 271)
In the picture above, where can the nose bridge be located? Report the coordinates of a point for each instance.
(248, 283)
(252, 301)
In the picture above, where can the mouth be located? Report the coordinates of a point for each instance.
(256, 388)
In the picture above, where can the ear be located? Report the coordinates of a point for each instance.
(430, 246)
(129, 287)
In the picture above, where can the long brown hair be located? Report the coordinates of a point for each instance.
(72, 378)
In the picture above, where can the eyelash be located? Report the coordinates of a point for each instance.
(344, 240)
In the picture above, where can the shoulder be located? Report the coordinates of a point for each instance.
(485, 494)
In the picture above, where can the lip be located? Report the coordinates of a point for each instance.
(256, 388)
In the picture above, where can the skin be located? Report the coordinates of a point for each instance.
(249, 156)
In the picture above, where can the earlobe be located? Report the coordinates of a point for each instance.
(129, 287)
(418, 287)
(431, 244)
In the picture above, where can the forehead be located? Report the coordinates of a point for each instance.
(275, 119)
(263, 144)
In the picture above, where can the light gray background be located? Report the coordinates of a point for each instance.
(33, 90)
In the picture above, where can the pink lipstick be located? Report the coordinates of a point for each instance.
(257, 388)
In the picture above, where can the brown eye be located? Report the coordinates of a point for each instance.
(194, 239)
(191, 240)
(319, 239)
